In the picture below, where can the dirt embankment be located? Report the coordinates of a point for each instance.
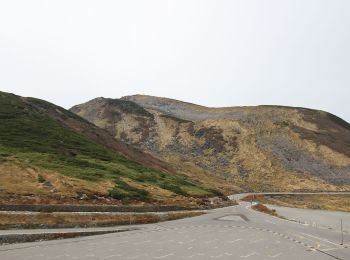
(323, 202)
(73, 220)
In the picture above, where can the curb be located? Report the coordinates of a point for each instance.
(27, 237)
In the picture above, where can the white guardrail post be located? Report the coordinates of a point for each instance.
(341, 231)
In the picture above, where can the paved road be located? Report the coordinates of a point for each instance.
(317, 218)
(230, 233)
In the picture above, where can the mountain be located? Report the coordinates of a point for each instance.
(51, 155)
(262, 148)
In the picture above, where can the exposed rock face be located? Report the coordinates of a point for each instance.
(50, 155)
(238, 148)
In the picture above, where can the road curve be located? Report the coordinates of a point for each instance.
(235, 232)
(239, 196)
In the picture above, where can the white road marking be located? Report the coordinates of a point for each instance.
(330, 249)
(233, 241)
(199, 254)
(321, 239)
(110, 256)
(163, 256)
(246, 256)
(274, 256)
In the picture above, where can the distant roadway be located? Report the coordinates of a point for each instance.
(242, 195)
(236, 232)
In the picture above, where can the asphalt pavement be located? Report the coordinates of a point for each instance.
(236, 232)
(335, 220)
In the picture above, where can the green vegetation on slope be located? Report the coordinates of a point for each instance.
(124, 191)
(30, 137)
(129, 107)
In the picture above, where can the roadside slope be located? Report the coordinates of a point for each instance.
(48, 154)
(264, 148)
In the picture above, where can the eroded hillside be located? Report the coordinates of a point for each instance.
(51, 155)
(264, 148)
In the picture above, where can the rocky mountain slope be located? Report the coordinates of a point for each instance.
(263, 148)
(49, 154)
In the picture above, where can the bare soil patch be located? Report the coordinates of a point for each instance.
(67, 220)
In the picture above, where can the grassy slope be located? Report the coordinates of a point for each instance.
(29, 137)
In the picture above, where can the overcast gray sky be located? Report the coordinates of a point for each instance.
(214, 53)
